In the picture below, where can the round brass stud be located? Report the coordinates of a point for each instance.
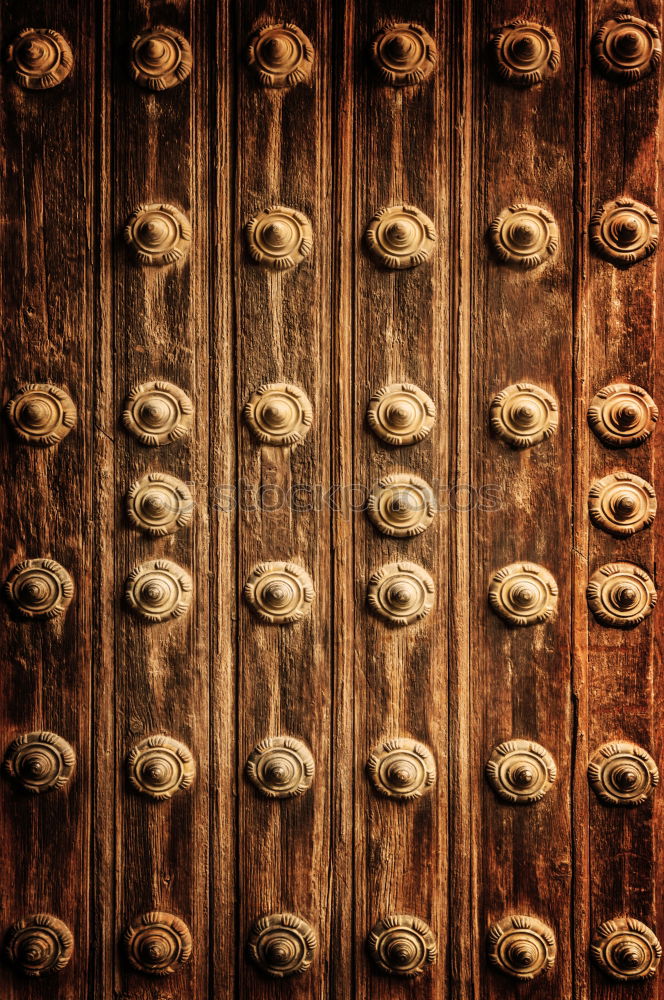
(39, 588)
(280, 55)
(525, 52)
(157, 413)
(281, 767)
(522, 947)
(622, 416)
(39, 762)
(160, 58)
(279, 237)
(621, 595)
(158, 590)
(160, 766)
(400, 236)
(279, 592)
(622, 504)
(626, 48)
(41, 414)
(39, 945)
(158, 943)
(524, 236)
(523, 415)
(402, 945)
(622, 774)
(403, 54)
(520, 771)
(401, 413)
(159, 504)
(41, 58)
(279, 414)
(626, 949)
(282, 944)
(401, 505)
(401, 593)
(523, 594)
(624, 231)
(401, 769)
(158, 234)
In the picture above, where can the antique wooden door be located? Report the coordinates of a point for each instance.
(331, 666)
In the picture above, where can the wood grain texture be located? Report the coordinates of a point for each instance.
(522, 331)
(621, 310)
(401, 334)
(160, 153)
(283, 157)
(45, 681)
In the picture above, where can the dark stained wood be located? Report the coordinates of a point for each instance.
(283, 146)
(47, 318)
(79, 312)
(522, 331)
(622, 313)
(401, 334)
(160, 153)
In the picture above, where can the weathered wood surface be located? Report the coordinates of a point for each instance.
(523, 148)
(79, 312)
(47, 323)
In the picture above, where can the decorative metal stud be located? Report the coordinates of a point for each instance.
(524, 236)
(523, 594)
(401, 769)
(41, 414)
(401, 413)
(282, 944)
(279, 592)
(624, 231)
(41, 58)
(39, 945)
(522, 947)
(524, 415)
(520, 771)
(400, 236)
(39, 588)
(621, 595)
(403, 54)
(279, 413)
(626, 48)
(622, 415)
(626, 949)
(159, 504)
(158, 590)
(401, 593)
(160, 58)
(279, 237)
(622, 504)
(622, 774)
(525, 52)
(280, 55)
(402, 945)
(281, 767)
(158, 234)
(158, 943)
(160, 766)
(401, 506)
(39, 762)
(157, 413)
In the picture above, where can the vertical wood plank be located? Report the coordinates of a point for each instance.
(522, 332)
(45, 681)
(401, 334)
(283, 320)
(160, 154)
(624, 665)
